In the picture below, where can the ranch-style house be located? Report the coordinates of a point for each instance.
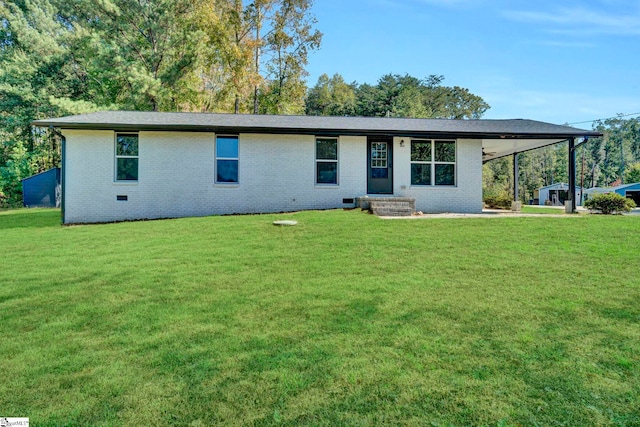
(123, 165)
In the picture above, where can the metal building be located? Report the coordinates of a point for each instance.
(42, 190)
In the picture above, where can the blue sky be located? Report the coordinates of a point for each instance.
(561, 61)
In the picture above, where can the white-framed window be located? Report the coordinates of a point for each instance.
(433, 162)
(126, 156)
(379, 155)
(227, 159)
(326, 160)
(379, 160)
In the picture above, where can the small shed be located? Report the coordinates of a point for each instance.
(556, 194)
(42, 190)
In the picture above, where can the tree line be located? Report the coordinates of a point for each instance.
(393, 96)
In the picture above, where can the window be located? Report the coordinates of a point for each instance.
(326, 160)
(126, 157)
(445, 162)
(379, 160)
(227, 159)
(433, 162)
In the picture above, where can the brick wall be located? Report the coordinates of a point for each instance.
(176, 176)
(276, 173)
(465, 197)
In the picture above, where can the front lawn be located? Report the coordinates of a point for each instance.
(542, 210)
(344, 319)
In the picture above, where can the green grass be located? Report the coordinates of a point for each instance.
(539, 210)
(344, 319)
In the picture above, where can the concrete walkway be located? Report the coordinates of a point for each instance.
(498, 213)
(486, 213)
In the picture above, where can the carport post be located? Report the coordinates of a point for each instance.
(572, 174)
(516, 177)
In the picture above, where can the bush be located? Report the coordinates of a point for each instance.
(609, 203)
(502, 201)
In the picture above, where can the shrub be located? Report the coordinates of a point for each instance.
(502, 201)
(609, 203)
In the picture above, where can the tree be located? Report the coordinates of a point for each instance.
(462, 104)
(331, 97)
(633, 134)
(285, 48)
(532, 173)
(38, 77)
(620, 147)
(632, 175)
(560, 158)
(366, 95)
(410, 102)
(387, 91)
(145, 50)
(229, 75)
(594, 148)
(497, 178)
(256, 54)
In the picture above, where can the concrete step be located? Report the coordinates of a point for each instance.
(392, 212)
(392, 205)
(390, 209)
(388, 206)
(398, 208)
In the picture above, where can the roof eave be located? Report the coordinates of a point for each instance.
(307, 131)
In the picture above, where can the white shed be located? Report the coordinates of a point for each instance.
(556, 194)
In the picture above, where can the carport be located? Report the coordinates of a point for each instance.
(530, 135)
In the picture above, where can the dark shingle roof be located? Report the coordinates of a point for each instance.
(236, 123)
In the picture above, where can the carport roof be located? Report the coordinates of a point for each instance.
(499, 137)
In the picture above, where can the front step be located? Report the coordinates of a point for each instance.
(392, 212)
(388, 206)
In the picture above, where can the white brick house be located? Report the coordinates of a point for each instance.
(142, 165)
